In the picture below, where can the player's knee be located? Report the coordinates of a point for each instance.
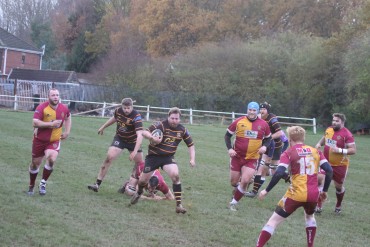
(310, 221)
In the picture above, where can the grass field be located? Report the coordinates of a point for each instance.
(71, 215)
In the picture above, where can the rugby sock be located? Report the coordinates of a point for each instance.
(311, 232)
(177, 191)
(340, 195)
(99, 181)
(265, 235)
(258, 182)
(46, 172)
(239, 193)
(33, 176)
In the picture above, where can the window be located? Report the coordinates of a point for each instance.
(23, 58)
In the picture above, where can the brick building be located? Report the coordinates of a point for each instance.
(16, 53)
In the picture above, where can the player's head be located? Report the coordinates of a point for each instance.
(53, 96)
(127, 105)
(174, 115)
(296, 134)
(253, 110)
(338, 121)
(264, 109)
(153, 183)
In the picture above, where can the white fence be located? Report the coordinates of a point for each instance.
(151, 113)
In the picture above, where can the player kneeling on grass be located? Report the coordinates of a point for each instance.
(303, 162)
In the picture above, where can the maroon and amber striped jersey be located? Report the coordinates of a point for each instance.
(248, 136)
(340, 139)
(274, 125)
(46, 113)
(128, 125)
(171, 139)
(303, 162)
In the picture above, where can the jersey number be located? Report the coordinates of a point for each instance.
(307, 165)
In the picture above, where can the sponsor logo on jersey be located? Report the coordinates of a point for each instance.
(251, 134)
(303, 151)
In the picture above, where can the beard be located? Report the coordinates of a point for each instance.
(51, 102)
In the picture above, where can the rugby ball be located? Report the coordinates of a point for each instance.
(156, 133)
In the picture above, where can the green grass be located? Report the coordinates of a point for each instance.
(71, 215)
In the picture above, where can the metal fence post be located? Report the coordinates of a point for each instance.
(233, 116)
(15, 102)
(191, 115)
(314, 125)
(103, 110)
(147, 112)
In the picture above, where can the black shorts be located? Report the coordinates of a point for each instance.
(153, 162)
(121, 144)
(277, 153)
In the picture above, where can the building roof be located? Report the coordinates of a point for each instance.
(8, 40)
(43, 75)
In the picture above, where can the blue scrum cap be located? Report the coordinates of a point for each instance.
(254, 105)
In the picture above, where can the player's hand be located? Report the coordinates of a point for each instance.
(262, 150)
(132, 155)
(100, 131)
(323, 196)
(64, 135)
(56, 123)
(262, 195)
(156, 140)
(192, 163)
(318, 146)
(231, 152)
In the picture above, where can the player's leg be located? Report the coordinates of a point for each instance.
(259, 178)
(173, 172)
(112, 154)
(247, 172)
(269, 229)
(50, 158)
(320, 181)
(339, 176)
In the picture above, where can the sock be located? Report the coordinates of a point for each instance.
(258, 182)
(46, 172)
(33, 176)
(340, 196)
(310, 232)
(265, 235)
(177, 191)
(140, 189)
(98, 182)
(239, 193)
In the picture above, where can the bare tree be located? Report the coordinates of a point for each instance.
(16, 16)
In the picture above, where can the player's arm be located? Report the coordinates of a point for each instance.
(108, 123)
(320, 143)
(67, 127)
(279, 173)
(192, 155)
(139, 140)
(169, 195)
(350, 150)
(228, 140)
(277, 135)
(328, 175)
(37, 123)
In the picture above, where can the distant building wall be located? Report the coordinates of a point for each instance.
(23, 60)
